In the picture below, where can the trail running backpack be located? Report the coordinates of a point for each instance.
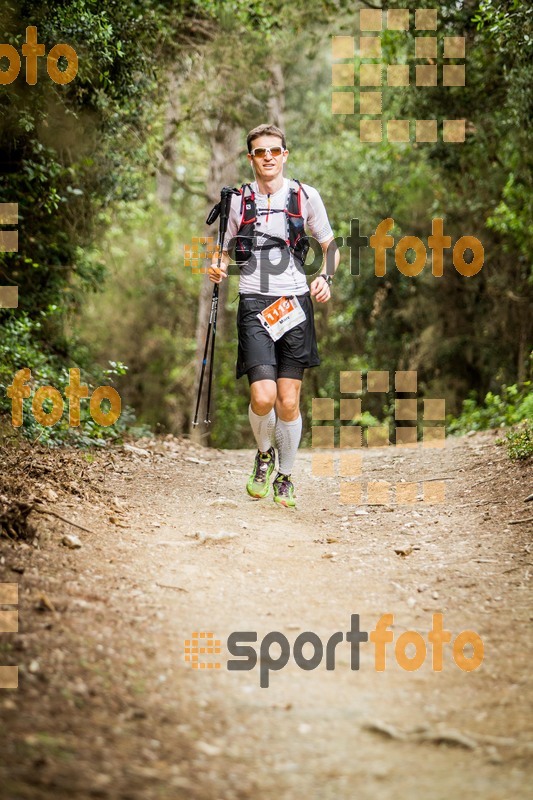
(297, 241)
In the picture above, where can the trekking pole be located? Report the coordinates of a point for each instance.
(221, 208)
(214, 313)
(225, 205)
(214, 303)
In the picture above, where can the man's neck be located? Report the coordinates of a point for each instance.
(270, 186)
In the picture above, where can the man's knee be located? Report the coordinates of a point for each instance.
(288, 402)
(263, 396)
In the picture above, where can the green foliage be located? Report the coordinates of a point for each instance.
(145, 315)
(477, 331)
(520, 442)
(20, 349)
(68, 151)
(512, 405)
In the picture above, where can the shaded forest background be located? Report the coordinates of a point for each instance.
(115, 172)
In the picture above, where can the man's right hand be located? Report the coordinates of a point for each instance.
(216, 273)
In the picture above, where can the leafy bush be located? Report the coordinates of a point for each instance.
(511, 406)
(19, 349)
(520, 442)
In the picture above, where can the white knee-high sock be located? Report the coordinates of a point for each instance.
(263, 428)
(288, 435)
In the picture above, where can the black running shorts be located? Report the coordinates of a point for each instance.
(296, 348)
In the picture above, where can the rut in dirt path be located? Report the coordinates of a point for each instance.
(108, 706)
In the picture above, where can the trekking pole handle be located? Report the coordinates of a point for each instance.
(225, 205)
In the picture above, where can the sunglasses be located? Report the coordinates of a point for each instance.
(260, 152)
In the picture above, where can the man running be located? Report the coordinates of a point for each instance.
(266, 237)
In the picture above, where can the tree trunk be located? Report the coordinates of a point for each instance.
(167, 165)
(276, 101)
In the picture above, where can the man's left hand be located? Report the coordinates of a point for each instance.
(320, 290)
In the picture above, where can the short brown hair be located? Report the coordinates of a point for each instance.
(265, 130)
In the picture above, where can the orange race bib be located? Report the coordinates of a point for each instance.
(281, 316)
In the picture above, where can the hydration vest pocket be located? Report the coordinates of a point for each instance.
(242, 250)
(301, 248)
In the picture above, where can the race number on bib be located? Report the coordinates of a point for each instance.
(281, 316)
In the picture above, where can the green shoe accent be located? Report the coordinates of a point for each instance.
(259, 481)
(284, 491)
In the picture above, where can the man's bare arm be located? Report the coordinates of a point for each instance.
(319, 288)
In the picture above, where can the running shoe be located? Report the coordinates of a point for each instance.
(259, 481)
(284, 491)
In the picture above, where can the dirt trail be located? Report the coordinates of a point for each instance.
(107, 706)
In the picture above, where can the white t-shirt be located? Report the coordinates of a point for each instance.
(273, 272)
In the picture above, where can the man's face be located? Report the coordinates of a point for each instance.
(268, 166)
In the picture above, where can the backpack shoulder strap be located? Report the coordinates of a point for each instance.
(299, 186)
(248, 209)
(294, 198)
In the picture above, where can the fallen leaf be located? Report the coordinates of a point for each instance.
(44, 603)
